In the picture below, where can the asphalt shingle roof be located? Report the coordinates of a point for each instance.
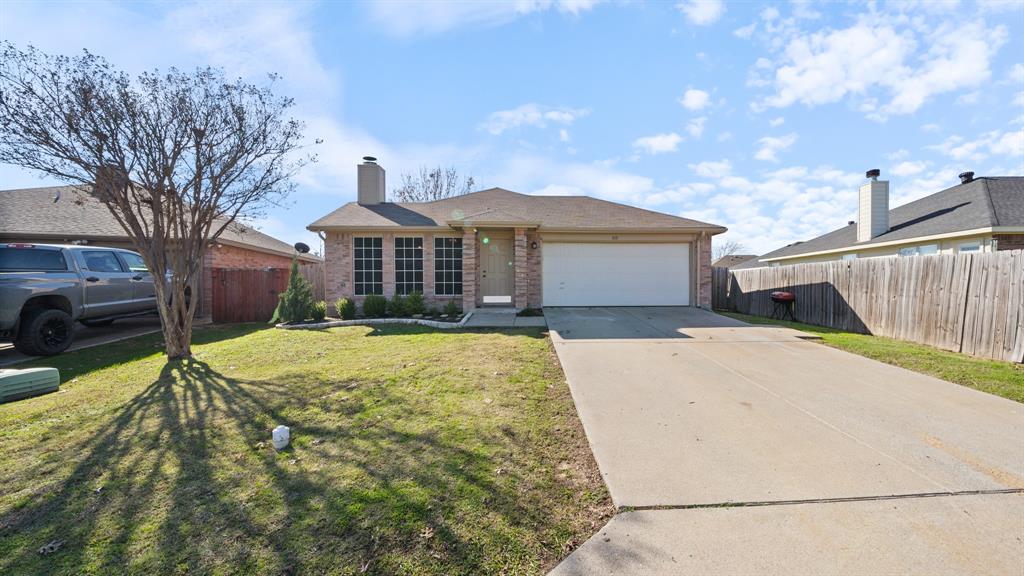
(982, 203)
(32, 212)
(551, 212)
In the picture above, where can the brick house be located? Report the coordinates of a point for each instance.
(65, 215)
(502, 248)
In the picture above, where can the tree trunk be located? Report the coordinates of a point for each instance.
(176, 318)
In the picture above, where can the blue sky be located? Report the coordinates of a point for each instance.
(759, 116)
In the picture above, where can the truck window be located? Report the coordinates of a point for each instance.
(134, 262)
(31, 259)
(101, 261)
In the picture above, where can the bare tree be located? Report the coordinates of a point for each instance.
(726, 248)
(176, 157)
(433, 184)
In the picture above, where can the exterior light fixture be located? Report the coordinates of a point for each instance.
(486, 240)
(533, 244)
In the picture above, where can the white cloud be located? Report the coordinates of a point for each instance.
(1016, 74)
(435, 16)
(908, 168)
(724, 136)
(677, 194)
(712, 169)
(770, 13)
(995, 142)
(776, 121)
(969, 99)
(745, 32)
(829, 65)
(702, 12)
(563, 135)
(695, 127)
(694, 99)
(1018, 99)
(530, 115)
(659, 143)
(770, 146)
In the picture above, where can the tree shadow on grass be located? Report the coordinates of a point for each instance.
(182, 479)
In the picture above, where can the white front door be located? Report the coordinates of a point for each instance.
(580, 274)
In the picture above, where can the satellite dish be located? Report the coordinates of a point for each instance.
(301, 248)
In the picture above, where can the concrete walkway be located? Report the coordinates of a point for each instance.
(502, 318)
(843, 464)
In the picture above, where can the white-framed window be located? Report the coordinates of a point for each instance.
(848, 257)
(447, 266)
(920, 250)
(368, 265)
(408, 264)
(969, 246)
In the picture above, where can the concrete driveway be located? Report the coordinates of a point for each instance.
(85, 337)
(843, 464)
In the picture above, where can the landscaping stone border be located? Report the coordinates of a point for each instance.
(372, 321)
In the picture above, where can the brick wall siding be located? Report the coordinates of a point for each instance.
(520, 273)
(1010, 242)
(703, 299)
(534, 288)
(340, 267)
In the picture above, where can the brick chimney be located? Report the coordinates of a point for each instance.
(873, 213)
(370, 179)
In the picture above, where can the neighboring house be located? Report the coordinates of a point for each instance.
(982, 214)
(64, 215)
(498, 247)
(732, 260)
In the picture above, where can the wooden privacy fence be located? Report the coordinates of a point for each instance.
(241, 295)
(970, 303)
(244, 295)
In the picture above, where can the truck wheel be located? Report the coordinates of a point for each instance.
(96, 323)
(44, 332)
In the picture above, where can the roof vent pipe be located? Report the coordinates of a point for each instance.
(966, 177)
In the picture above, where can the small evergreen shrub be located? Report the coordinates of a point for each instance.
(319, 311)
(295, 304)
(414, 304)
(433, 311)
(345, 308)
(375, 306)
(397, 307)
(451, 308)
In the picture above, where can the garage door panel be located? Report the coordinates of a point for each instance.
(585, 274)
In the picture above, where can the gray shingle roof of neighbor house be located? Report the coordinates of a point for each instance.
(732, 260)
(499, 205)
(985, 202)
(32, 212)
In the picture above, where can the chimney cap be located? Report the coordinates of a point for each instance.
(966, 177)
(370, 159)
(873, 173)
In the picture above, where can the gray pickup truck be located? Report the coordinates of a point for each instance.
(46, 288)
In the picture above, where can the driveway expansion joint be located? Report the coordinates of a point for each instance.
(655, 507)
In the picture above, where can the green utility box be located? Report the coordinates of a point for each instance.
(18, 384)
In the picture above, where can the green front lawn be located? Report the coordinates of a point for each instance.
(1004, 379)
(413, 452)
